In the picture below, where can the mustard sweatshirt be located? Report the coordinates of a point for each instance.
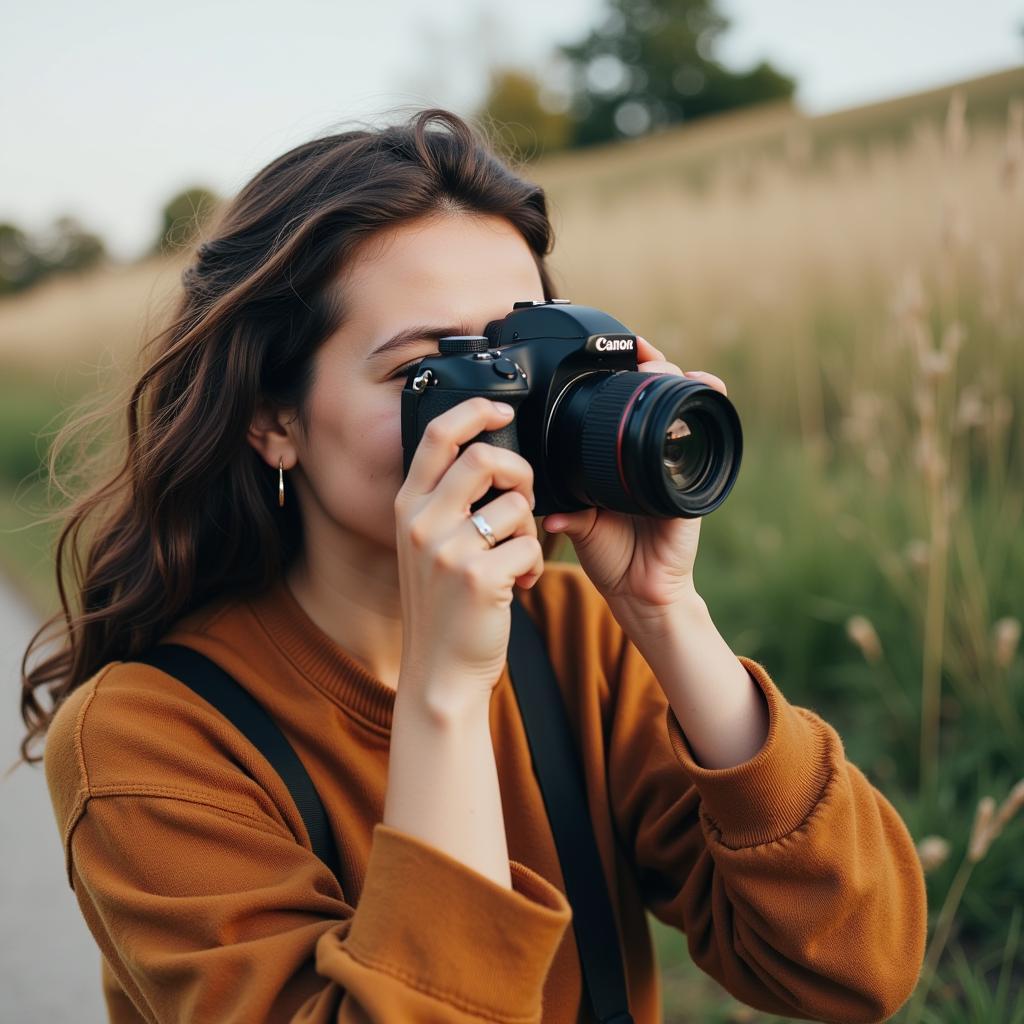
(794, 880)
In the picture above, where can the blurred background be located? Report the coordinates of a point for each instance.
(821, 204)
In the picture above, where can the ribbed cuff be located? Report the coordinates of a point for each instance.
(771, 794)
(454, 933)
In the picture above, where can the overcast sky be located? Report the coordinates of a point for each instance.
(110, 107)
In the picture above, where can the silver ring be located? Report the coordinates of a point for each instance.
(484, 529)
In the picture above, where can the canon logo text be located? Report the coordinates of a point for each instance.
(604, 344)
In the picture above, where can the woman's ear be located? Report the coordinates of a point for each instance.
(272, 434)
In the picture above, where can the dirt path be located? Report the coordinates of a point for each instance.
(49, 963)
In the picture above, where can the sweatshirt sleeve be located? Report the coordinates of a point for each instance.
(206, 914)
(795, 880)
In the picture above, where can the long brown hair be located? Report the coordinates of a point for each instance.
(188, 512)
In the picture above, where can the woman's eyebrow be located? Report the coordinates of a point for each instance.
(410, 335)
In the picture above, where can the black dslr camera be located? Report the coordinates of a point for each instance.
(595, 430)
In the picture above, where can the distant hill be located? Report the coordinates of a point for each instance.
(692, 152)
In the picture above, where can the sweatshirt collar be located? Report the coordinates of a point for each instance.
(320, 658)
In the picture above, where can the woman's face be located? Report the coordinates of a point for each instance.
(443, 274)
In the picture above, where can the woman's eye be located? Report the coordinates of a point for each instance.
(403, 370)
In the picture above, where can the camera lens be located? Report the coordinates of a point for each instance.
(644, 443)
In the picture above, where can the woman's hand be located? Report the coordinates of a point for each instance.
(456, 590)
(644, 563)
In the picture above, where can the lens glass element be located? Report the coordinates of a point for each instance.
(685, 451)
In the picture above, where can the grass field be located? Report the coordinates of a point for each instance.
(858, 282)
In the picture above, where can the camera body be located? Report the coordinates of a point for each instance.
(595, 430)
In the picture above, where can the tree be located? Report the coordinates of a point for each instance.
(25, 260)
(20, 265)
(522, 119)
(183, 216)
(69, 246)
(651, 63)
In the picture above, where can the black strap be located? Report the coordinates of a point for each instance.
(556, 764)
(235, 703)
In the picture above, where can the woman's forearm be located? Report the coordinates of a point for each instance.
(719, 706)
(443, 785)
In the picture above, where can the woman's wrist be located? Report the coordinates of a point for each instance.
(442, 706)
(443, 781)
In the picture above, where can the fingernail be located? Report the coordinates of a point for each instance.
(504, 408)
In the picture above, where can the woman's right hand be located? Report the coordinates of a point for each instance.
(456, 591)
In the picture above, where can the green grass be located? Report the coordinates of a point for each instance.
(34, 403)
(25, 545)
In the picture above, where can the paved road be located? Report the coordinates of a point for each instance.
(49, 963)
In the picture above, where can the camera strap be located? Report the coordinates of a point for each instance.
(206, 678)
(556, 764)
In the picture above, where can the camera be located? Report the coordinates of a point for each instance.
(595, 430)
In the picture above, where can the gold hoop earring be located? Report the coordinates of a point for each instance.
(280, 482)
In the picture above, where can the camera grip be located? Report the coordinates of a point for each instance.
(506, 437)
(436, 401)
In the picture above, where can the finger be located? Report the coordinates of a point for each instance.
(507, 515)
(645, 351)
(660, 366)
(479, 467)
(442, 438)
(576, 525)
(519, 561)
(708, 378)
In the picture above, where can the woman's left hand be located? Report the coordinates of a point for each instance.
(644, 563)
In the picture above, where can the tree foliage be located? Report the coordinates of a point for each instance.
(27, 259)
(517, 118)
(646, 65)
(183, 216)
(651, 63)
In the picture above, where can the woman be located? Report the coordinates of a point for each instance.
(370, 616)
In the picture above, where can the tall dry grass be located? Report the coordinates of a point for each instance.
(83, 319)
